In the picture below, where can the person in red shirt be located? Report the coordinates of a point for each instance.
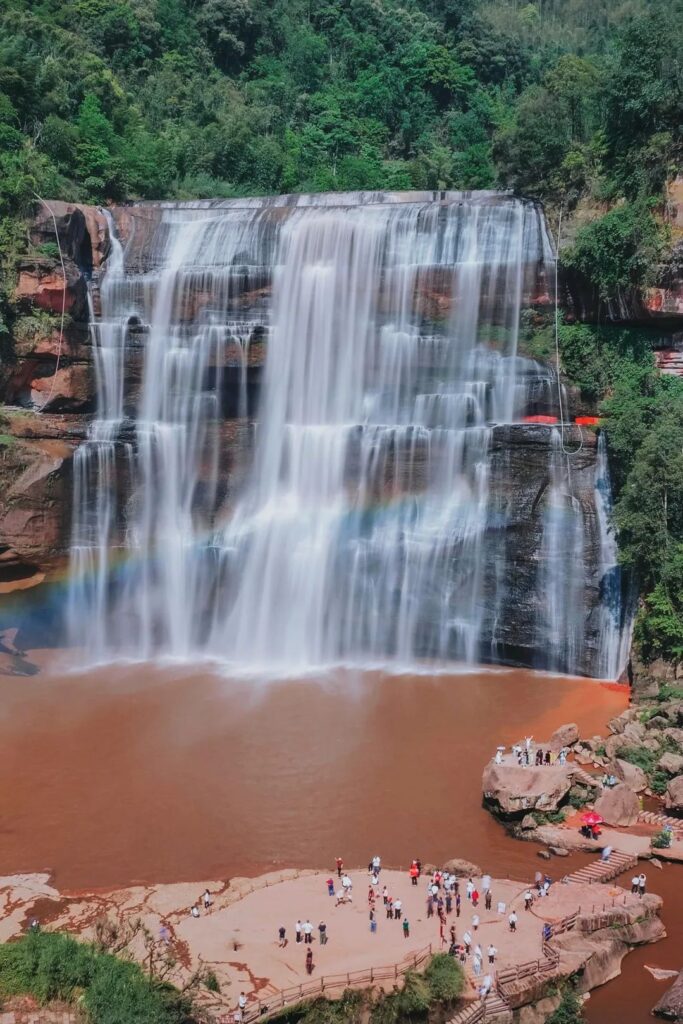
(475, 898)
(340, 866)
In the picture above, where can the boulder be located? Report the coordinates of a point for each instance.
(674, 712)
(564, 736)
(630, 774)
(613, 744)
(674, 734)
(528, 822)
(634, 732)
(462, 868)
(670, 1006)
(513, 790)
(618, 806)
(673, 798)
(543, 854)
(671, 763)
(559, 851)
(657, 722)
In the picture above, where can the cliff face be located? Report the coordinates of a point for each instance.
(50, 394)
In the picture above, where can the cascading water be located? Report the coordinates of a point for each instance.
(365, 530)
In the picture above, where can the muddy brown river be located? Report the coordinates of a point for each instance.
(146, 773)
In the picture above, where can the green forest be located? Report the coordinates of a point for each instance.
(568, 101)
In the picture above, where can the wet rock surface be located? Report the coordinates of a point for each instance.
(670, 1006)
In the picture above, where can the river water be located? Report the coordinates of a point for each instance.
(161, 773)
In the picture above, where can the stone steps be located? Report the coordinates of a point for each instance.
(493, 1008)
(654, 818)
(602, 870)
(579, 775)
(669, 361)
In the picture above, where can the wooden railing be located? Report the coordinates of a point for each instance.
(329, 984)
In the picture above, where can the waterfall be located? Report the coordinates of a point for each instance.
(363, 527)
(614, 607)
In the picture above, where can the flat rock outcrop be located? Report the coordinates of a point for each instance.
(670, 1006)
(618, 806)
(630, 774)
(514, 790)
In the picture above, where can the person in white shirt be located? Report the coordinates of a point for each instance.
(469, 889)
(398, 906)
(467, 940)
(512, 921)
(242, 1002)
(485, 883)
(492, 953)
(476, 964)
(642, 882)
(475, 921)
(376, 864)
(308, 932)
(528, 899)
(486, 986)
(194, 910)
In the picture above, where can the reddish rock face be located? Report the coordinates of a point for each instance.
(42, 284)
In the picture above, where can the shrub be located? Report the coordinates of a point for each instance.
(569, 1010)
(662, 841)
(49, 965)
(445, 978)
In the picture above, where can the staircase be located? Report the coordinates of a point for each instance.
(483, 1011)
(584, 778)
(653, 818)
(603, 870)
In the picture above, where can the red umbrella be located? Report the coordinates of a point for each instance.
(591, 818)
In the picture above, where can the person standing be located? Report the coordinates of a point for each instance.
(485, 883)
(309, 962)
(322, 929)
(282, 933)
(414, 873)
(297, 929)
(376, 865)
(340, 866)
(475, 897)
(458, 902)
(469, 889)
(308, 932)
(492, 953)
(430, 907)
(475, 921)
(512, 921)
(398, 907)
(642, 883)
(242, 1003)
(385, 895)
(635, 884)
(467, 940)
(330, 886)
(194, 910)
(449, 903)
(487, 900)
(476, 965)
(206, 898)
(486, 986)
(453, 934)
(406, 928)
(373, 922)
(390, 909)
(528, 899)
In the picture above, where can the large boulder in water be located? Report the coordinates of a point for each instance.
(673, 798)
(670, 1006)
(462, 868)
(618, 806)
(513, 789)
(565, 736)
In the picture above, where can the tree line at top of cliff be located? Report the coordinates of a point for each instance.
(114, 99)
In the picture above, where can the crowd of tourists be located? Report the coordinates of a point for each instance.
(526, 754)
